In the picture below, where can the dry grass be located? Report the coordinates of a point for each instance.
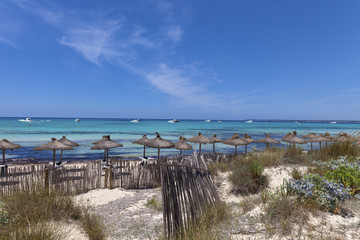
(215, 168)
(296, 174)
(335, 150)
(28, 213)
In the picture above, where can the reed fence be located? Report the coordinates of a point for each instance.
(187, 188)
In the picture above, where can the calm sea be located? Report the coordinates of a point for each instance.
(124, 131)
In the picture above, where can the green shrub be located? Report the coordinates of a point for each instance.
(294, 155)
(248, 178)
(315, 189)
(214, 168)
(348, 174)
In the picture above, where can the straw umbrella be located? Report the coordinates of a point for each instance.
(309, 136)
(343, 137)
(104, 138)
(214, 140)
(331, 138)
(267, 139)
(293, 138)
(201, 139)
(105, 144)
(286, 137)
(142, 141)
(182, 145)
(248, 139)
(66, 141)
(235, 140)
(5, 145)
(53, 145)
(158, 142)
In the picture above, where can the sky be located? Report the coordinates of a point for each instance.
(204, 59)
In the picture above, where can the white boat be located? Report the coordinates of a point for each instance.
(249, 121)
(77, 120)
(333, 122)
(135, 121)
(219, 121)
(208, 120)
(174, 120)
(28, 120)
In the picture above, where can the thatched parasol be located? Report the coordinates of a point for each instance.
(182, 145)
(201, 139)
(7, 145)
(53, 145)
(293, 138)
(285, 138)
(142, 141)
(249, 139)
(214, 140)
(319, 139)
(343, 137)
(268, 140)
(105, 144)
(66, 141)
(158, 142)
(310, 136)
(104, 138)
(235, 140)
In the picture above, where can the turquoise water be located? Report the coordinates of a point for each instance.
(123, 131)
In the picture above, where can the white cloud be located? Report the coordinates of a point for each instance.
(173, 33)
(93, 42)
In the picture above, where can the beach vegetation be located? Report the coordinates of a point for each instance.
(205, 228)
(294, 155)
(27, 214)
(281, 212)
(335, 150)
(296, 174)
(248, 178)
(154, 204)
(216, 167)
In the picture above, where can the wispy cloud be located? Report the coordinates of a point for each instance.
(100, 38)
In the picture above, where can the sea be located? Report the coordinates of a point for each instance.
(88, 130)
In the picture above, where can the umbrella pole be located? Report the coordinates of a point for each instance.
(320, 145)
(107, 156)
(267, 145)
(54, 158)
(235, 149)
(144, 150)
(199, 147)
(104, 155)
(245, 149)
(61, 156)
(311, 145)
(180, 152)
(214, 147)
(3, 156)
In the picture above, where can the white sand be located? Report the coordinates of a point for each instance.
(102, 196)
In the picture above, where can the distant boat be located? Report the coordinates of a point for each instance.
(334, 122)
(175, 120)
(249, 121)
(28, 120)
(208, 120)
(299, 122)
(77, 120)
(219, 121)
(135, 121)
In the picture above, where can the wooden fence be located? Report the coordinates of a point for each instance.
(80, 178)
(187, 188)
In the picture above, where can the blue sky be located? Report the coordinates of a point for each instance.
(284, 59)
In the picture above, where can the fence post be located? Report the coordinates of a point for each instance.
(106, 177)
(121, 175)
(47, 180)
(110, 176)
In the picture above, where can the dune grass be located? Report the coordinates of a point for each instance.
(36, 213)
(335, 150)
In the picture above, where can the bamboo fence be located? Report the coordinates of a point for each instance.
(187, 188)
